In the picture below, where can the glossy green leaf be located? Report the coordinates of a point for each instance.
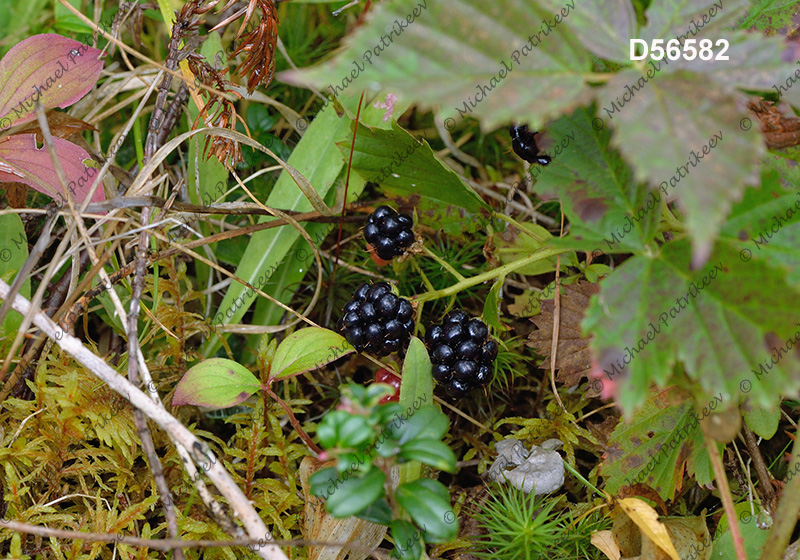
(428, 510)
(427, 423)
(416, 388)
(215, 383)
(753, 536)
(354, 495)
(406, 538)
(417, 383)
(377, 512)
(431, 452)
(322, 481)
(308, 349)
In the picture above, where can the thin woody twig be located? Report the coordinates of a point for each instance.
(177, 431)
(166, 544)
(148, 447)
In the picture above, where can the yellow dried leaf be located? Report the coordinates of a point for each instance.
(604, 540)
(646, 518)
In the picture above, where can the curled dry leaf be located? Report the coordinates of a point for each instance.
(779, 131)
(259, 45)
(573, 361)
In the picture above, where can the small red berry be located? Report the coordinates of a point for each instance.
(386, 376)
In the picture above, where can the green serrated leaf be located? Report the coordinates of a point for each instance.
(769, 15)
(653, 445)
(524, 58)
(608, 209)
(306, 350)
(687, 139)
(407, 167)
(722, 323)
(216, 383)
(767, 220)
(605, 28)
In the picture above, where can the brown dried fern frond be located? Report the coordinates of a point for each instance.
(259, 44)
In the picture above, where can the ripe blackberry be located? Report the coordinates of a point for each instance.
(523, 142)
(376, 320)
(461, 353)
(389, 233)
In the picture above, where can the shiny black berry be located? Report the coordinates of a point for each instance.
(457, 389)
(389, 233)
(376, 320)
(523, 142)
(461, 352)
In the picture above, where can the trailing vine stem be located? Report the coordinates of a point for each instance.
(491, 274)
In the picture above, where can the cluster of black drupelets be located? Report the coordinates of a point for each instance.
(378, 321)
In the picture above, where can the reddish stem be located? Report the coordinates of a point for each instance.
(295, 424)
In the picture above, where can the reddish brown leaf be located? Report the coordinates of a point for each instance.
(16, 193)
(51, 69)
(779, 131)
(573, 361)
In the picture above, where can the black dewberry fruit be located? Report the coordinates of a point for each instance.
(523, 142)
(461, 353)
(389, 233)
(376, 320)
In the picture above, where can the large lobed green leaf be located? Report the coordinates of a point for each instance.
(490, 60)
(656, 446)
(721, 323)
(608, 209)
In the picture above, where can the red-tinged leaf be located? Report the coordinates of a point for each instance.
(655, 447)
(731, 325)
(22, 161)
(217, 383)
(49, 68)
